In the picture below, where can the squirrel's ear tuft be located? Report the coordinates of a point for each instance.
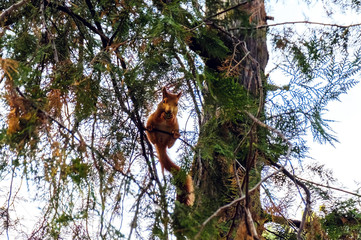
(165, 93)
(179, 95)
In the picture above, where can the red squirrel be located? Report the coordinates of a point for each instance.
(163, 131)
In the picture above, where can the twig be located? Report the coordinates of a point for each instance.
(291, 222)
(330, 187)
(7, 220)
(302, 22)
(169, 133)
(239, 62)
(226, 10)
(134, 220)
(10, 9)
(198, 111)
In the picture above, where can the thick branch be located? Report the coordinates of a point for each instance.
(308, 196)
(105, 41)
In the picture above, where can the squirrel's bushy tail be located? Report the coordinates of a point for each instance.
(164, 159)
(185, 193)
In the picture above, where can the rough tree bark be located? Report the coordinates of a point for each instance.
(217, 179)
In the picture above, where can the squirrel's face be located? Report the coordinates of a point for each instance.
(170, 104)
(170, 107)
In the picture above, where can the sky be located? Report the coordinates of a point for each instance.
(343, 158)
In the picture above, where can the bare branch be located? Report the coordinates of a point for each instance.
(303, 22)
(330, 187)
(7, 218)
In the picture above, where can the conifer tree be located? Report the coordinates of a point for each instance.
(79, 78)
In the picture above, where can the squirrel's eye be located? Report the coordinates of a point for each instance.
(163, 101)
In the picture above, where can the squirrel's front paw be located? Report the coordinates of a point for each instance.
(150, 128)
(175, 134)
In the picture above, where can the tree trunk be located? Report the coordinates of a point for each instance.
(219, 179)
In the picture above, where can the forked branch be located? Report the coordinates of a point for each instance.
(287, 173)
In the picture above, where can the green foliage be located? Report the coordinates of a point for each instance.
(319, 79)
(343, 220)
(213, 144)
(188, 222)
(232, 100)
(87, 91)
(78, 171)
(211, 43)
(24, 45)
